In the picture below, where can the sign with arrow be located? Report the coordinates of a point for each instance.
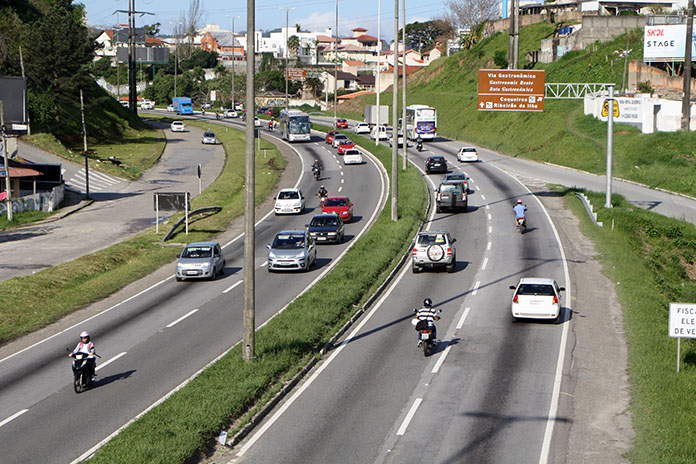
(511, 90)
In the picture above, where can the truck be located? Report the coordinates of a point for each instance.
(182, 105)
(371, 114)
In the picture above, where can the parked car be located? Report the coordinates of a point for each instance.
(206, 105)
(124, 103)
(345, 144)
(435, 163)
(291, 250)
(177, 126)
(209, 137)
(400, 139)
(467, 154)
(200, 260)
(238, 107)
(341, 123)
(337, 138)
(460, 177)
(536, 298)
(330, 136)
(434, 249)
(451, 196)
(339, 205)
(289, 201)
(326, 228)
(379, 133)
(361, 128)
(230, 114)
(352, 156)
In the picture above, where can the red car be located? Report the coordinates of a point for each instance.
(339, 205)
(341, 123)
(330, 136)
(344, 145)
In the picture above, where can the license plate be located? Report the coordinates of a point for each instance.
(321, 238)
(191, 272)
(425, 336)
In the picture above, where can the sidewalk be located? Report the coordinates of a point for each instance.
(114, 214)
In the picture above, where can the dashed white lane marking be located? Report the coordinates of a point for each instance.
(488, 206)
(234, 285)
(476, 287)
(460, 324)
(106, 363)
(182, 318)
(489, 216)
(339, 189)
(441, 360)
(13, 417)
(485, 263)
(483, 197)
(343, 180)
(409, 416)
(488, 248)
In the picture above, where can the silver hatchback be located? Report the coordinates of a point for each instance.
(292, 250)
(434, 249)
(200, 260)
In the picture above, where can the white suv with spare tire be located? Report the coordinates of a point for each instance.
(434, 249)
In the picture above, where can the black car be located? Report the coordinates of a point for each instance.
(262, 110)
(451, 195)
(326, 228)
(435, 163)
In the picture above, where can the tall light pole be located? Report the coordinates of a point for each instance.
(395, 116)
(233, 60)
(403, 84)
(686, 103)
(336, 66)
(287, 12)
(176, 50)
(379, 61)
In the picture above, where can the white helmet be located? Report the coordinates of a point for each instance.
(84, 334)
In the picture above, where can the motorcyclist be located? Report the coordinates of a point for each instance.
(271, 124)
(86, 346)
(419, 143)
(519, 210)
(429, 314)
(322, 194)
(316, 165)
(316, 169)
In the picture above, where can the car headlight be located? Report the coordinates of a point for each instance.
(332, 233)
(271, 255)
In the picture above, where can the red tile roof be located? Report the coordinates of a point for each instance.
(354, 63)
(360, 29)
(365, 38)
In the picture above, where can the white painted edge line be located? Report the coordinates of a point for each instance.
(106, 363)
(476, 287)
(409, 416)
(264, 264)
(13, 417)
(460, 324)
(172, 324)
(233, 285)
(558, 378)
(441, 360)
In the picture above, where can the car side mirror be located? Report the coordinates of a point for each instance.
(178, 256)
(454, 240)
(351, 204)
(306, 225)
(512, 287)
(302, 197)
(268, 246)
(562, 289)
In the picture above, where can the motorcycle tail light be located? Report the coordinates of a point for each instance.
(515, 299)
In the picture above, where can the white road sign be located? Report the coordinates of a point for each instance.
(682, 320)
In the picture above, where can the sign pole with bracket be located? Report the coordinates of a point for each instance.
(610, 142)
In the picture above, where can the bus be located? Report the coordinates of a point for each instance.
(295, 125)
(421, 121)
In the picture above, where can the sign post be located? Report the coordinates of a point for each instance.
(682, 324)
(296, 74)
(511, 90)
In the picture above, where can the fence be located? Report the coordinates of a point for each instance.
(42, 201)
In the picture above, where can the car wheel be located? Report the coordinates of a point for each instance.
(213, 275)
(178, 279)
(515, 319)
(414, 268)
(453, 265)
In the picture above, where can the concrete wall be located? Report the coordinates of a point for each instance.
(503, 25)
(40, 201)
(659, 79)
(605, 28)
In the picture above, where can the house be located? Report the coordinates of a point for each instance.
(362, 40)
(224, 44)
(345, 81)
(354, 66)
(433, 54)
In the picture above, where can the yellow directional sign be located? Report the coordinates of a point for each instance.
(605, 109)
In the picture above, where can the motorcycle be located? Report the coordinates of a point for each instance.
(317, 174)
(521, 224)
(83, 371)
(419, 146)
(322, 200)
(426, 333)
(270, 126)
(217, 115)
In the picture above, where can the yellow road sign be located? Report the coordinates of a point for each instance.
(605, 109)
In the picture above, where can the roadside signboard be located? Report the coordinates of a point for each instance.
(296, 74)
(666, 43)
(511, 90)
(605, 109)
(682, 324)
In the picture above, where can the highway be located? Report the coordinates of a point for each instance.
(154, 341)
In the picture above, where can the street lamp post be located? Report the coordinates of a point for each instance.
(233, 60)
(379, 62)
(176, 49)
(287, 12)
(395, 116)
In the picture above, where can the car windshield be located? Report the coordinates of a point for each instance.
(336, 202)
(288, 242)
(197, 252)
(536, 289)
(448, 188)
(324, 222)
(431, 239)
(288, 196)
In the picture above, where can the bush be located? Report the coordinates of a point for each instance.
(500, 59)
(645, 87)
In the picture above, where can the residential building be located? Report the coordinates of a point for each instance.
(224, 44)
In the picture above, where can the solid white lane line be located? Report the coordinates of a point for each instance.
(106, 363)
(476, 287)
(181, 318)
(409, 416)
(13, 417)
(233, 286)
(485, 263)
(460, 324)
(488, 248)
(441, 360)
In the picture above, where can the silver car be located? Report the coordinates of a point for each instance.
(200, 260)
(292, 250)
(434, 249)
(209, 137)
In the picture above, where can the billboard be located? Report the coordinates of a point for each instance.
(13, 93)
(666, 43)
(145, 55)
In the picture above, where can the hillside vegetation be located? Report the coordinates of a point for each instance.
(562, 134)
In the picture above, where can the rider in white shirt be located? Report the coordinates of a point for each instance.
(87, 347)
(429, 314)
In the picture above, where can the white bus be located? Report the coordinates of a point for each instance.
(295, 125)
(421, 120)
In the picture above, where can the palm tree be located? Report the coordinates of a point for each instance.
(314, 84)
(293, 44)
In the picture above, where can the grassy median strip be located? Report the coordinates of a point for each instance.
(34, 301)
(226, 392)
(652, 259)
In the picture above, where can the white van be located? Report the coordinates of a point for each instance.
(379, 132)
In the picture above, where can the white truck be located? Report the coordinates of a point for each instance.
(371, 114)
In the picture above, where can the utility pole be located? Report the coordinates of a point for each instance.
(8, 184)
(513, 50)
(686, 102)
(336, 67)
(84, 142)
(287, 12)
(249, 324)
(395, 116)
(21, 64)
(379, 62)
(403, 90)
(176, 51)
(233, 58)
(132, 81)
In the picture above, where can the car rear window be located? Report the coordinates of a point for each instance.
(197, 252)
(536, 289)
(468, 149)
(431, 239)
(448, 188)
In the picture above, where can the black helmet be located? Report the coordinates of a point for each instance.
(428, 303)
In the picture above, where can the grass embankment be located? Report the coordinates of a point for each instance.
(562, 134)
(75, 284)
(652, 259)
(227, 392)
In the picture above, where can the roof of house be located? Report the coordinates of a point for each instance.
(19, 172)
(365, 38)
(359, 29)
(353, 95)
(409, 69)
(353, 63)
(366, 79)
(325, 38)
(344, 76)
(352, 48)
(225, 39)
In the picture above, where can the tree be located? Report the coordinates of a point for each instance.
(421, 36)
(471, 12)
(152, 29)
(315, 85)
(190, 24)
(293, 44)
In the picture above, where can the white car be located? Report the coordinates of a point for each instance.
(289, 201)
(361, 128)
(379, 132)
(178, 126)
(238, 107)
(257, 122)
(536, 298)
(230, 114)
(400, 140)
(170, 108)
(146, 105)
(352, 156)
(467, 154)
(209, 138)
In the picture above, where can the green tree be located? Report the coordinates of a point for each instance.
(420, 36)
(315, 85)
(293, 45)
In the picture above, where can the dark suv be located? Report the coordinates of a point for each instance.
(451, 196)
(435, 163)
(326, 228)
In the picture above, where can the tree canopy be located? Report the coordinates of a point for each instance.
(421, 36)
